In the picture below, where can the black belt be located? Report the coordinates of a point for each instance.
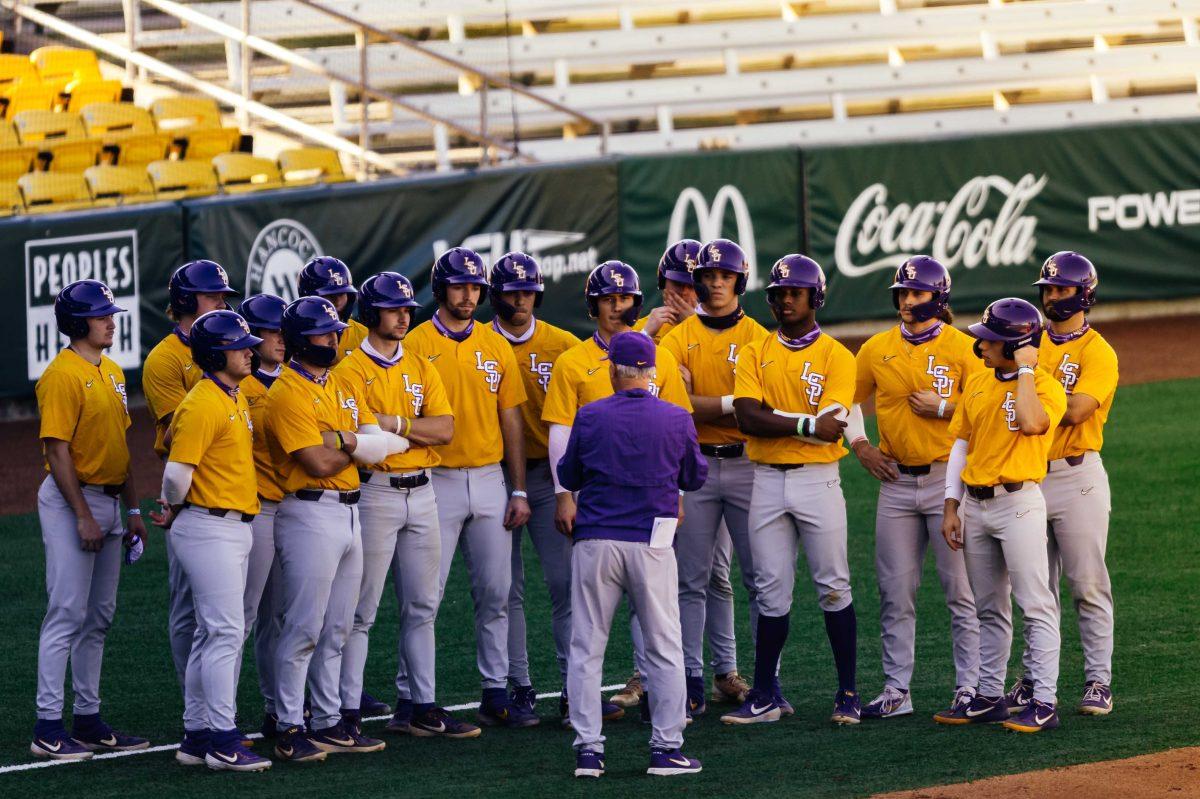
(109, 490)
(915, 471)
(723, 450)
(785, 467)
(222, 512)
(988, 492)
(315, 495)
(396, 481)
(1072, 460)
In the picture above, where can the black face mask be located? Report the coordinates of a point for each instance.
(722, 322)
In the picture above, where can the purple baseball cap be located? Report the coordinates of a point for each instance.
(631, 349)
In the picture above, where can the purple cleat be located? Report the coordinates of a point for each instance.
(671, 762)
(1019, 696)
(1097, 699)
(589, 763)
(847, 708)
(1037, 717)
(757, 709)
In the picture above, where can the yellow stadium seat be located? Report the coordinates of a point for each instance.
(125, 183)
(52, 191)
(16, 67)
(81, 93)
(173, 180)
(61, 65)
(27, 96)
(127, 132)
(307, 165)
(61, 139)
(8, 134)
(10, 199)
(195, 124)
(16, 160)
(242, 172)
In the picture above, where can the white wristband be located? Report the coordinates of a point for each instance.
(519, 493)
(727, 404)
(1026, 370)
(942, 409)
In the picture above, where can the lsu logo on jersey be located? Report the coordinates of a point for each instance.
(943, 383)
(1069, 372)
(417, 392)
(732, 356)
(248, 421)
(541, 368)
(815, 384)
(491, 371)
(348, 403)
(120, 389)
(1010, 411)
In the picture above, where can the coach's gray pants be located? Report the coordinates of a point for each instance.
(399, 526)
(908, 520)
(554, 552)
(1078, 503)
(81, 592)
(319, 547)
(1005, 546)
(214, 553)
(471, 504)
(793, 509)
(601, 571)
(725, 497)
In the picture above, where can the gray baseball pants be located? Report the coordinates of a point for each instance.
(256, 598)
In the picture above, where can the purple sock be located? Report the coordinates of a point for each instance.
(842, 628)
(772, 634)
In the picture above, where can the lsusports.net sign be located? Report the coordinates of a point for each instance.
(51, 264)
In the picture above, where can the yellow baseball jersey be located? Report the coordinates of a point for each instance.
(535, 359)
(987, 419)
(167, 376)
(411, 388)
(481, 379)
(581, 377)
(795, 381)
(255, 394)
(892, 369)
(351, 338)
(299, 409)
(667, 327)
(213, 432)
(85, 405)
(711, 355)
(1087, 365)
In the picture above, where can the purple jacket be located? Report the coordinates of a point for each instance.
(629, 456)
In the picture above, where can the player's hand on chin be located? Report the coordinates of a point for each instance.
(874, 461)
(925, 403)
(1026, 356)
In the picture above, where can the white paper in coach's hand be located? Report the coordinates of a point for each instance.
(662, 534)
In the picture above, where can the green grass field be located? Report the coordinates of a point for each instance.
(1154, 557)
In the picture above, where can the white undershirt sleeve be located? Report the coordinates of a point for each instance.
(954, 468)
(177, 481)
(560, 434)
(856, 428)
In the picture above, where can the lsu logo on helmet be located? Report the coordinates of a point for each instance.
(910, 272)
(617, 278)
(784, 270)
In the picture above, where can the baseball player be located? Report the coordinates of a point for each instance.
(84, 415)
(614, 299)
(168, 374)
(317, 433)
(329, 277)
(916, 372)
(264, 314)
(1003, 429)
(399, 512)
(791, 394)
(706, 344)
(1078, 500)
(629, 505)
(477, 508)
(677, 289)
(209, 496)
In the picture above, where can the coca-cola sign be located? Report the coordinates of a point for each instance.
(967, 229)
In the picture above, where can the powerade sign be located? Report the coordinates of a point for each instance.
(52, 264)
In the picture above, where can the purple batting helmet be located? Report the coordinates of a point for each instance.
(1014, 321)
(325, 276)
(310, 316)
(515, 271)
(456, 266)
(922, 273)
(385, 290)
(798, 271)
(1069, 268)
(216, 333)
(678, 262)
(722, 254)
(614, 277)
(196, 277)
(79, 301)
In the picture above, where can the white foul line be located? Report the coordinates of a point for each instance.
(250, 736)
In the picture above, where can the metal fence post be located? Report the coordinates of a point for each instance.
(364, 133)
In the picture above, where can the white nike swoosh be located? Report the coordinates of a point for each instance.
(433, 358)
(887, 358)
(1022, 514)
(1038, 720)
(369, 382)
(441, 727)
(593, 371)
(109, 741)
(226, 758)
(684, 762)
(46, 745)
(755, 709)
(972, 714)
